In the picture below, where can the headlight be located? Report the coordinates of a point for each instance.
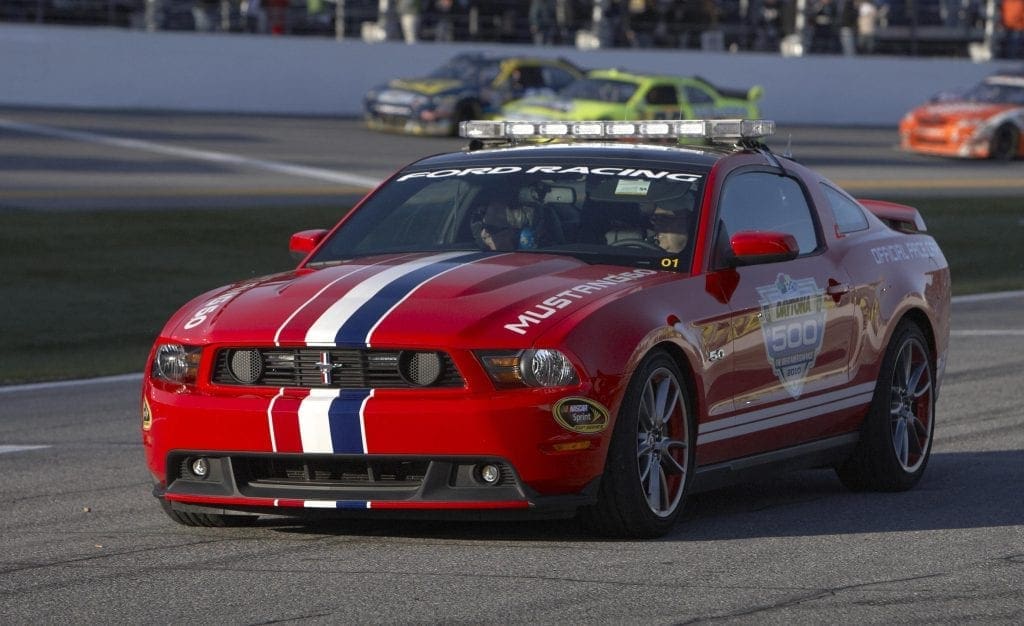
(176, 363)
(529, 368)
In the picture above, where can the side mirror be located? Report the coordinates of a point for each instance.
(756, 247)
(302, 243)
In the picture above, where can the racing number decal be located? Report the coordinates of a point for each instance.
(793, 324)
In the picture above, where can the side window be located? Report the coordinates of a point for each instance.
(661, 95)
(695, 95)
(765, 201)
(848, 214)
(556, 77)
(527, 77)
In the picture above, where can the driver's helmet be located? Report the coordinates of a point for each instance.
(507, 227)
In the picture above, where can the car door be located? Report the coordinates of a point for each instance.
(792, 330)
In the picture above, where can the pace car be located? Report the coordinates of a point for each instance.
(555, 322)
(986, 122)
(469, 86)
(614, 94)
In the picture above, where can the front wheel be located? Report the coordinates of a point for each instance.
(651, 457)
(896, 438)
(1004, 145)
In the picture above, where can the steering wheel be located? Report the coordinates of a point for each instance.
(640, 244)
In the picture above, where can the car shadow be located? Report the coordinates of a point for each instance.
(960, 490)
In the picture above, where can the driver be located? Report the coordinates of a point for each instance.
(670, 222)
(503, 227)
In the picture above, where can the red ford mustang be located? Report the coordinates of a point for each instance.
(585, 327)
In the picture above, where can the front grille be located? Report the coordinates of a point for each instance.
(327, 472)
(347, 368)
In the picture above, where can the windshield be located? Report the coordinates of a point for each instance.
(997, 90)
(598, 212)
(601, 89)
(473, 70)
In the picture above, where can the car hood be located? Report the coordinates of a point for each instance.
(947, 112)
(466, 299)
(426, 86)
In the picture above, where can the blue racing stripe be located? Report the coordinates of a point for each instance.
(356, 329)
(346, 430)
(352, 504)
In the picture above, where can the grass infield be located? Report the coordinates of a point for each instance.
(85, 293)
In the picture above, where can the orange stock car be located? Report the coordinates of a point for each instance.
(986, 122)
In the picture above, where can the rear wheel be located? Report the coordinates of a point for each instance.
(651, 457)
(896, 438)
(1004, 143)
(212, 520)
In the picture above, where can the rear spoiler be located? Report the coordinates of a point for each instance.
(899, 217)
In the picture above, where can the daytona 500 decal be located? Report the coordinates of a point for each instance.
(793, 323)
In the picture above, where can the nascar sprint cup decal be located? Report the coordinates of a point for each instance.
(793, 323)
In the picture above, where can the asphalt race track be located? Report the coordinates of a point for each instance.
(58, 160)
(81, 538)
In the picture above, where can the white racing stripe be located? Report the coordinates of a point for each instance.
(270, 419)
(325, 329)
(314, 424)
(211, 156)
(788, 407)
(782, 420)
(277, 335)
(788, 413)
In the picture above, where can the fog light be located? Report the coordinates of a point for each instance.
(490, 474)
(200, 468)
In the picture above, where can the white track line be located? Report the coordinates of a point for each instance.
(7, 449)
(1009, 332)
(302, 171)
(985, 297)
(59, 384)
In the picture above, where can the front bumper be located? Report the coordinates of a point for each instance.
(296, 484)
(940, 141)
(408, 122)
(419, 451)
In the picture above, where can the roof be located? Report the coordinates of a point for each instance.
(702, 157)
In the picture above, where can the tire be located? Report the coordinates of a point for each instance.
(651, 456)
(1004, 143)
(209, 520)
(896, 437)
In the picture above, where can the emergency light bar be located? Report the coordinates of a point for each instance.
(661, 129)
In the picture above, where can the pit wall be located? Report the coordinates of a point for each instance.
(106, 68)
